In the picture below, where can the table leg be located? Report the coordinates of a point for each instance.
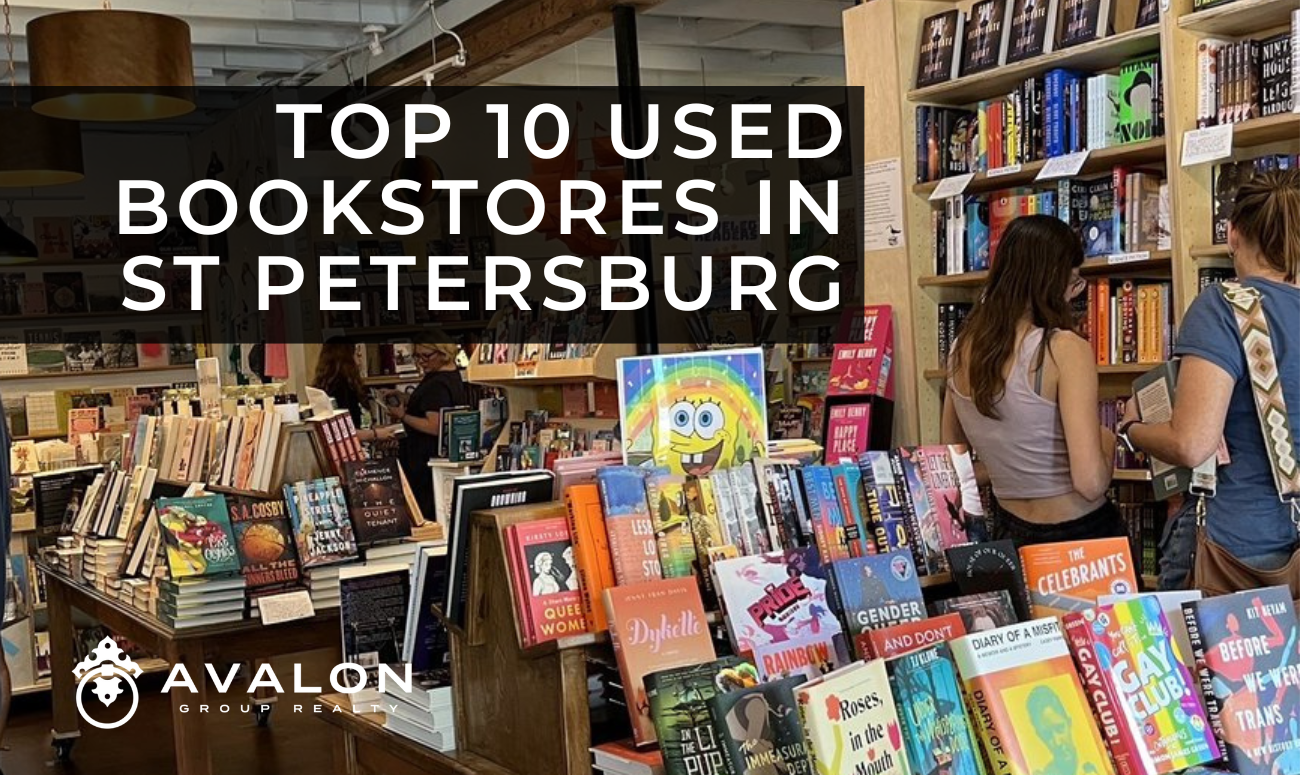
(191, 733)
(344, 752)
(63, 686)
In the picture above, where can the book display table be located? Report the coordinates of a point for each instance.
(363, 747)
(246, 641)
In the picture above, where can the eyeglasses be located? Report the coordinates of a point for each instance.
(425, 355)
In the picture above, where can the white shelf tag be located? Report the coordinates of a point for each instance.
(952, 186)
(286, 607)
(1128, 258)
(1000, 171)
(1066, 166)
(1205, 145)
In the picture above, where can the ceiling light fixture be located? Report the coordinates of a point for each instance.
(34, 150)
(457, 60)
(111, 65)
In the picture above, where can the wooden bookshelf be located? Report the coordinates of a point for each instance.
(1208, 252)
(90, 375)
(118, 313)
(1241, 17)
(1158, 262)
(1265, 131)
(1103, 54)
(1099, 161)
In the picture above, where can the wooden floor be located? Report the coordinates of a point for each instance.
(293, 744)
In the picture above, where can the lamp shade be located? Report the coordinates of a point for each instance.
(37, 150)
(110, 66)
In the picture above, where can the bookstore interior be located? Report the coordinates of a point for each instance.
(888, 538)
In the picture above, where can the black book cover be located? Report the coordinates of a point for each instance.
(989, 567)
(939, 35)
(982, 39)
(372, 611)
(376, 501)
(65, 293)
(1030, 23)
(760, 729)
(1275, 74)
(1148, 13)
(1082, 21)
(431, 649)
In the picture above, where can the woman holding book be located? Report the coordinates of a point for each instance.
(441, 388)
(1022, 392)
(338, 375)
(1215, 399)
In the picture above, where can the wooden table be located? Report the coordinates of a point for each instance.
(246, 641)
(363, 747)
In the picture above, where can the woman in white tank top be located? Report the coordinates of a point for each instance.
(1022, 392)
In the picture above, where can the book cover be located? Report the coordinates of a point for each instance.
(980, 611)
(1082, 21)
(927, 537)
(938, 60)
(1029, 29)
(1068, 577)
(847, 430)
(885, 502)
(899, 639)
(591, 551)
(825, 513)
(847, 478)
(1247, 662)
(1138, 86)
(264, 541)
(463, 435)
(990, 567)
(1027, 703)
(851, 723)
(197, 535)
(321, 526)
(545, 576)
(775, 597)
(376, 503)
(1147, 704)
(44, 350)
(760, 729)
(426, 644)
(633, 545)
(877, 591)
(666, 495)
(937, 733)
(679, 707)
(372, 598)
(939, 466)
(654, 626)
(812, 657)
(983, 47)
(65, 293)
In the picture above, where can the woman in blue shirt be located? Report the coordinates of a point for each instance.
(1214, 399)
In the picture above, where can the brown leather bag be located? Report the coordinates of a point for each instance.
(1215, 571)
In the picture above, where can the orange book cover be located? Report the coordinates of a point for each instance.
(655, 626)
(591, 550)
(1068, 577)
(1027, 702)
(1102, 342)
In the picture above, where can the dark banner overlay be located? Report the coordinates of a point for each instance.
(721, 217)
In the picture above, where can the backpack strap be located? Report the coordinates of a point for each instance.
(1266, 387)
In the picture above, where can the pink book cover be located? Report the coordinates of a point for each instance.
(546, 581)
(655, 626)
(847, 430)
(864, 354)
(942, 484)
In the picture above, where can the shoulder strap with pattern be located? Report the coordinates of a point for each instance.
(1266, 387)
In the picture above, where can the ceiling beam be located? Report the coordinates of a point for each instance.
(800, 13)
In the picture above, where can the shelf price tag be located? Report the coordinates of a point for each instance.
(953, 186)
(525, 369)
(1136, 256)
(286, 607)
(1000, 171)
(1066, 166)
(1205, 145)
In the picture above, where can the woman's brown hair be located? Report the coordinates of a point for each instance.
(336, 367)
(1031, 274)
(1267, 214)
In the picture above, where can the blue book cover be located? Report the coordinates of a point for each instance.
(937, 733)
(926, 544)
(853, 504)
(825, 513)
(977, 233)
(876, 591)
(884, 501)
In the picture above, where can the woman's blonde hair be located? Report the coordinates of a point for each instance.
(1267, 214)
(439, 342)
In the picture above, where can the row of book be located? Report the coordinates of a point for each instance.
(1061, 112)
(951, 316)
(993, 33)
(1228, 178)
(1245, 79)
(1129, 321)
(55, 350)
(538, 335)
(1076, 675)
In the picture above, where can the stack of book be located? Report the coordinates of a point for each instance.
(425, 714)
(323, 583)
(101, 560)
(199, 602)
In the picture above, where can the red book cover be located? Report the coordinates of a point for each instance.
(546, 581)
(864, 353)
(847, 430)
(899, 639)
(1105, 703)
(655, 626)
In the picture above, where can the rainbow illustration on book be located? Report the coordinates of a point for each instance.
(693, 413)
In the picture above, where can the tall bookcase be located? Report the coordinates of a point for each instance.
(881, 43)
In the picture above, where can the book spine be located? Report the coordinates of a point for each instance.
(579, 536)
(805, 722)
(1295, 61)
(852, 530)
(977, 695)
(1106, 705)
(1128, 311)
(910, 521)
(1213, 709)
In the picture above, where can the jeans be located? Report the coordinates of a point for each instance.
(1178, 550)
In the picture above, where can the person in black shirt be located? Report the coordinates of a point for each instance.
(441, 388)
(337, 374)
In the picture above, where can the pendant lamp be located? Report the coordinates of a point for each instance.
(34, 150)
(110, 65)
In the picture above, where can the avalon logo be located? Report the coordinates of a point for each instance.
(107, 665)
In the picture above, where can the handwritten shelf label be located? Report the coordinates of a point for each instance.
(1129, 258)
(953, 186)
(1066, 166)
(998, 172)
(1205, 145)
